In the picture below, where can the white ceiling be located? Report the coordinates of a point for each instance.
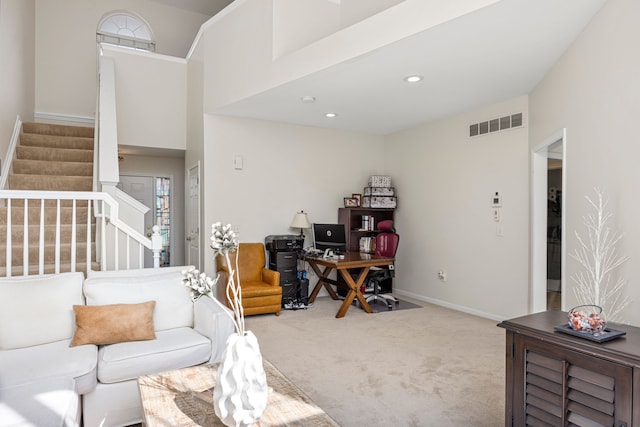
(493, 54)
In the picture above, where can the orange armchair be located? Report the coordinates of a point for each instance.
(261, 290)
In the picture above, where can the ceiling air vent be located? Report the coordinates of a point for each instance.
(495, 125)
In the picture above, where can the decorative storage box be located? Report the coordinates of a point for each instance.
(379, 181)
(379, 202)
(379, 191)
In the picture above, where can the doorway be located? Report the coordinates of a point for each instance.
(141, 189)
(193, 217)
(554, 227)
(547, 224)
(156, 194)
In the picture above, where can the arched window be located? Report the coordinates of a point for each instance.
(125, 29)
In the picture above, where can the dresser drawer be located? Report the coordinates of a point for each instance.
(288, 275)
(280, 260)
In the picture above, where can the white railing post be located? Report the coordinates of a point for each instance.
(58, 236)
(41, 254)
(9, 242)
(25, 240)
(73, 237)
(156, 246)
(88, 249)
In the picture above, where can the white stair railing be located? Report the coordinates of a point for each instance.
(11, 149)
(118, 242)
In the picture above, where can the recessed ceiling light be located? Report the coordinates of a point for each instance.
(308, 99)
(413, 79)
(330, 115)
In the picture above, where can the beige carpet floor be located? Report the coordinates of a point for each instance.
(427, 366)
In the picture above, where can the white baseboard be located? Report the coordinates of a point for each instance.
(450, 305)
(63, 119)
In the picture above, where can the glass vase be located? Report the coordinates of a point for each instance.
(588, 319)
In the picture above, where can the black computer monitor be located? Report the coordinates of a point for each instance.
(330, 236)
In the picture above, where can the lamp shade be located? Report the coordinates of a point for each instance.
(300, 220)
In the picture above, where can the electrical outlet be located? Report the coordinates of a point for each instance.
(442, 275)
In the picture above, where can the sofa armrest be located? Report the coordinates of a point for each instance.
(271, 277)
(214, 321)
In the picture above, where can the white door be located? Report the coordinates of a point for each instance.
(141, 188)
(193, 217)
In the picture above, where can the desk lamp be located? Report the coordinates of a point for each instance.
(301, 221)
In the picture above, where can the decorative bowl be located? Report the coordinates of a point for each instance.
(588, 319)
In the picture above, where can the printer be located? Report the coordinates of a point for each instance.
(283, 242)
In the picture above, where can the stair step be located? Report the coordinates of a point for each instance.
(49, 253)
(48, 183)
(54, 154)
(17, 233)
(55, 141)
(43, 167)
(17, 213)
(17, 270)
(63, 130)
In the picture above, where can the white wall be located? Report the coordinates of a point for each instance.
(195, 137)
(291, 32)
(593, 91)
(445, 181)
(17, 50)
(297, 24)
(66, 55)
(151, 99)
(287, 168)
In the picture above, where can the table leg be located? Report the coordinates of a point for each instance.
(321, 276)
(354, 292)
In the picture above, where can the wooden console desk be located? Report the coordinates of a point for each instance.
(352, 260)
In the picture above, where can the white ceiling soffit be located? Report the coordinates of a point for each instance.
(493, 54)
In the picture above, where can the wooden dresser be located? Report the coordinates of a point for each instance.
(553, 378)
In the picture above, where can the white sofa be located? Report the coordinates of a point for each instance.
(37, 325)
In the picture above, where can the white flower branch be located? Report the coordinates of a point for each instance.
(223, 242)
(202, 285)
(597, 255)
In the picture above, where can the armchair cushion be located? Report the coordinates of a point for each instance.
(271, 277)
(109, 324)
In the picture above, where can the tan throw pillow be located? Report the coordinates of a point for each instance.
(109, 324)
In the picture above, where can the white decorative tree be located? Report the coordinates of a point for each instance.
(597, 255)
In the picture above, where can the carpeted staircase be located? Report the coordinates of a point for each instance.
(54, 158)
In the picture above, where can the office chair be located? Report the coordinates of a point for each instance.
(386, 245)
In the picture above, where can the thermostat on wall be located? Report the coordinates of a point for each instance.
(496, 200)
